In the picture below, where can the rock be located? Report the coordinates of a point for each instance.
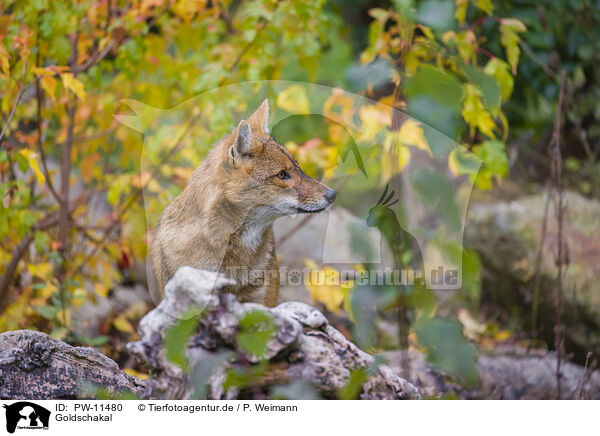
(507, 237)
(303, 349)
(35, 366)
(508, 373)
(189, 288)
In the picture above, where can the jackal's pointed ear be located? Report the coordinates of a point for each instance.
(243, 140)
(259, 120)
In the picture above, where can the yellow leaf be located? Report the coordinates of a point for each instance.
(339, 107)
(45, 293)
(42, 270)
(122, 324)
(59, 333)
(79, 297)
(448, 37)
(294, 100)
(49, 85)
(466, 43)
(101, 289)
(4, 60)
(325, 286)
(88, 165)
(359, 267)
(513, 23)
(462, 161)
(72, 84)
(411, 133)
(30, 156)
(485, 5)
(475, 114)
(471, 327)
(375, 119)
(135, 373)
(461, 10)
(411, 62)
(502, 335)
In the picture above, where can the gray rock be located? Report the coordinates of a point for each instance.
(304, 348)
(189, 292)
(507, 237)
(506, 373)
(35, 366)
(306, 315)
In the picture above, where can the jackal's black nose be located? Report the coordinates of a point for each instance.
(330, 195)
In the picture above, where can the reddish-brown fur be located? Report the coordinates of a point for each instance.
(222, 221)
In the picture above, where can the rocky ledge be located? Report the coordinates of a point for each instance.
(303, 351)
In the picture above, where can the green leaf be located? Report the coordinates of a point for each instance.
(354, 386)
(496, 162)
(487, 85)
(501, 71)
(176, 339)
(256, 330)
(434, 98)
(98, 341)
(444, 88)
(435, 190)
(437, 14)
(493, 154)
(462, 161)
(48, 312)
(447, 348)
(485, 5)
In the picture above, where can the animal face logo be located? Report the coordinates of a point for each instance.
(26, 415)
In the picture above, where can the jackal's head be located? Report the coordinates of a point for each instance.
(264, 176)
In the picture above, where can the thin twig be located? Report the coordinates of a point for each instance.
(130, 201)
(591, 155)
(9, 271)
(538, 264)
(537, 60)
(562, 250)
(42, 224)
(40, 141)
(584, 376)
(14, 108)
(262, 25)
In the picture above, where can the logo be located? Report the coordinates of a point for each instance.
(26, 415)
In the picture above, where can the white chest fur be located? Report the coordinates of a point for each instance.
(252, 235)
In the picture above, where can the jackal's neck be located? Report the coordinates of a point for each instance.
(221, 217)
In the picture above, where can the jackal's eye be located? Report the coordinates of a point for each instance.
(283, 175)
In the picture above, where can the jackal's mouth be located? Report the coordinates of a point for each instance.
(320, 209)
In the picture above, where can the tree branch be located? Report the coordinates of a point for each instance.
(14, 108)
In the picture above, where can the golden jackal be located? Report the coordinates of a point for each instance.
(222, 221)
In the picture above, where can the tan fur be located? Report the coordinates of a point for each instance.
(222, 221)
